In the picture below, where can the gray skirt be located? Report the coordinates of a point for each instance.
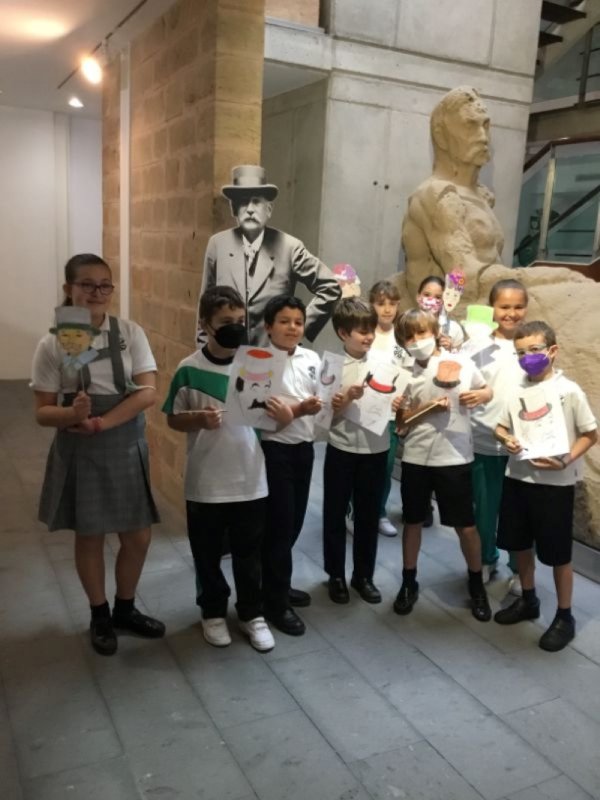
(101, 483)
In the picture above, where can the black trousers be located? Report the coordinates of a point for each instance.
(289, 470)
(360, 477)
(208, 525)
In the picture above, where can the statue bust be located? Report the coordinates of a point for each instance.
(450, 220)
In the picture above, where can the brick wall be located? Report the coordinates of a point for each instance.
(110, 172)
(196, 89)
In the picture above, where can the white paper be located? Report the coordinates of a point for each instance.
(328, 384)
(539, 423)
(256, 375)
(374, 409)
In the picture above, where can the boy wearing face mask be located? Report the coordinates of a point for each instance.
(438, 453)
(225, 480)
(538, 496)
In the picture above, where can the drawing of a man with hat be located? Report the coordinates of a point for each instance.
(262, 262)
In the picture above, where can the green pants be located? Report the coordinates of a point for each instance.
(387, 486)
(488, 478)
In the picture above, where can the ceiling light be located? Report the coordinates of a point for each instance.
(90, 66)
(75, 102)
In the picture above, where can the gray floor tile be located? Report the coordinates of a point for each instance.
(412, 773)
(287, 757)
(561, 788)
(352, 716)
(566, 736)
(492, 758)
(109, 780)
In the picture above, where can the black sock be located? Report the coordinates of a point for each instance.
(564, 614)
(530, 597)
(100, 612)
(476, 582)
(123, 608)
(409, 577)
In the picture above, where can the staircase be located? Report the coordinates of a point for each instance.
(556, 14)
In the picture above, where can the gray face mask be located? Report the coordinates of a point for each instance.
(422, 349)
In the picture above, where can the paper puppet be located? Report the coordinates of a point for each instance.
(448, 373)
(453, 290)
(256, 375)
(479, 325)
(539, 423)
(75, 333)
(349, 282)
(374, 409)
(328, 383)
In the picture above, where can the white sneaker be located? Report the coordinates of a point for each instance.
(514, 586)
(259, 634)
(387, 528)
(350, 525)
(216, 632)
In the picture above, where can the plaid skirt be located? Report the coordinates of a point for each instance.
(101, 483)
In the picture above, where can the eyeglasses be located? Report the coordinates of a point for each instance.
(532, 349)
(89, 287)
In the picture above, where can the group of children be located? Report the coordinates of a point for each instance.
(249, 490)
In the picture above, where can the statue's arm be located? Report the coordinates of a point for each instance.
(319, 280)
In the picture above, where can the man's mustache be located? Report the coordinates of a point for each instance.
(258, 404)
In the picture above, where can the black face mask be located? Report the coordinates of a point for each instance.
(231, 336)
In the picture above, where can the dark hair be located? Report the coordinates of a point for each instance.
(217, 297)
(431, 279)
(506, 283)
(384, 289)
(352, 313)
(81, 260)
(534, 327)
(415, 321)
(277, 304)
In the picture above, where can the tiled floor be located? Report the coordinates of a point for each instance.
(434, 706)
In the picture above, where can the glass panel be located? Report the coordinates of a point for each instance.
(572, 239)
(530, 213)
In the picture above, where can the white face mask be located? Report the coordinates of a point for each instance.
(422, 349)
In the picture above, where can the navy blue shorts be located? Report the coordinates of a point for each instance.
(453, 489)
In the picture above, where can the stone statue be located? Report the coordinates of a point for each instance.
(450, 223)
(450, 220)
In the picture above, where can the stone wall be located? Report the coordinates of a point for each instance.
(304, 12)
(196, 92)
(110, 172)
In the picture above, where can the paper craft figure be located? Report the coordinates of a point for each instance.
(256, 375)
(374, 409)
(448, 373)
(479, 325)
(349, 282)
(328, 383)
(75, 333)
(539, 423)
(453, 291)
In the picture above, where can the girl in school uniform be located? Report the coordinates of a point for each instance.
(97, 478)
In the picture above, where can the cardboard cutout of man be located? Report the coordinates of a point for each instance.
(262, 262)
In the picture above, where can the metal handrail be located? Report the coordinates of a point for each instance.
(558, 143)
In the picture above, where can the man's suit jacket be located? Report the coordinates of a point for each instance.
(282, 262)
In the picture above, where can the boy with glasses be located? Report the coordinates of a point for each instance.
(538, 495)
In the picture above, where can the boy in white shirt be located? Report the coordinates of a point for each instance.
(289, 456)
(538, 497)
(438, 453)
(355, 463)
(225, 481)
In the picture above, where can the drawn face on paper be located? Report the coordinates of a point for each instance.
(326, 378)
(455, 286)
(257, 393)
(74, 341)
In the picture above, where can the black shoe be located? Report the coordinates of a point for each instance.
(518, 611)
(366, 589)
(338, 591)
(429, 518)
(139, 623)
(480, 606)
(558, 635)
(299, 599)
(406, 598)
(102, 634)
(287, 622)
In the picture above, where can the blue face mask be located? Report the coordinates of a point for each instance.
(534, 363)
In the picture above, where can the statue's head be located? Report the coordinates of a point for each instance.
(460, 127)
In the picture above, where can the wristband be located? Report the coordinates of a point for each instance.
(96, 424)
(564, 463)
